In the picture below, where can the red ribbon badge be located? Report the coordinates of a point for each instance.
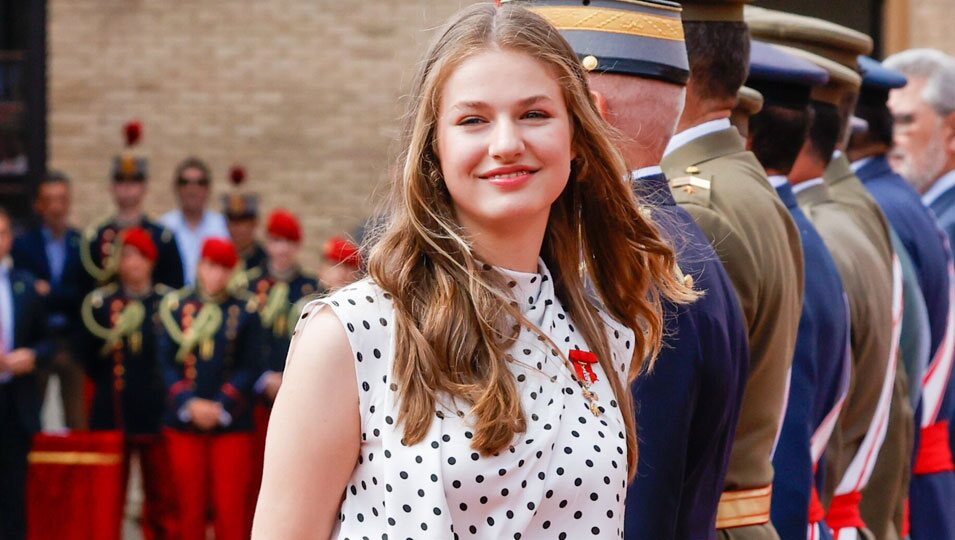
(583, 362)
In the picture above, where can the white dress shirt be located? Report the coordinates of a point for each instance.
(190, 240)
(6, 315)
(943, 184)
(686, 136)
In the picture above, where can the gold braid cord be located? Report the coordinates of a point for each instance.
(296, 311)
(275, 303)
(203, 329)
(130, 320)
(101, 275)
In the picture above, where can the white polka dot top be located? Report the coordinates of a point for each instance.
(564, 478)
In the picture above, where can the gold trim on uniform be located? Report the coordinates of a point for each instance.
(744, 507)
(74, 458)
(614, 21)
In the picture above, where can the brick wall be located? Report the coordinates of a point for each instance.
(303, 93)
(931, 24)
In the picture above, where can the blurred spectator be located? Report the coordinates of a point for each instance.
(210, 352)
(192, 223)
(23, 350)
(242, 218)
(50, 252)
(924, 115)
(130, 174)
(119, 340)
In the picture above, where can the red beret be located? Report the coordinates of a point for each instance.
(140, 239)
(340, 250)
(283, 224)
(220, 251)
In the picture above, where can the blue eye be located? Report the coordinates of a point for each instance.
(470, 121)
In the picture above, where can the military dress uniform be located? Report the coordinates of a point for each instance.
(932, 489)
(210, 349)
(865, 500)
(99, 247)
(821, 362)
(685, 439)
(687, 407)
(239, 206)
(97, 250)
(120, 348)
(725, 190)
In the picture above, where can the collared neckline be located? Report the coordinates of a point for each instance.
(689, 135)
(802, 186)
(777, 180)
(644, 172)
(939, 188)
(859, 163)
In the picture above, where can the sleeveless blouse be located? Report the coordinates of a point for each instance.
(565, 477)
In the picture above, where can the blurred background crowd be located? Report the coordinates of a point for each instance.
(209, 116)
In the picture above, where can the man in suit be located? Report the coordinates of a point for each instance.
(821, 364)
(726, 191)
(50, 253)
(23, 350)
(128, 188)
(688, 406)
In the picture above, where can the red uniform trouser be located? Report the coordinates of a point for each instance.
(211, 470)
(159, 515)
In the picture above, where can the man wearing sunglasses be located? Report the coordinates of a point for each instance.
(192, 223)
(128, 189)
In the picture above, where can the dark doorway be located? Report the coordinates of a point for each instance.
(862, 15)
(22, 101)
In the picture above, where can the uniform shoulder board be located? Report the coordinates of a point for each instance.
(691, 188)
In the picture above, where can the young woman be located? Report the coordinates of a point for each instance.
(472, 387)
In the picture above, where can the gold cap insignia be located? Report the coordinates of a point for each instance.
(590, 62)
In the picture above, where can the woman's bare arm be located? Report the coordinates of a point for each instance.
(313, 437)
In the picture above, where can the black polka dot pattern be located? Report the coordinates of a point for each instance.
(551, 482)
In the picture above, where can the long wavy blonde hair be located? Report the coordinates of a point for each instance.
(455, 320)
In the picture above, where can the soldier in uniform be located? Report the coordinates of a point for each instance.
(726, 191)
(821, 364)
(837, 48)
(279, 296)
(874, 294)
(241, 212)
(933, 484)
(119, 344)
(129, 190)
(210, 350)
(688, 406)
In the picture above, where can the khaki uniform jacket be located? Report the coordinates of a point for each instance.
(759, 245)
(868, 286)
(885, 494)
